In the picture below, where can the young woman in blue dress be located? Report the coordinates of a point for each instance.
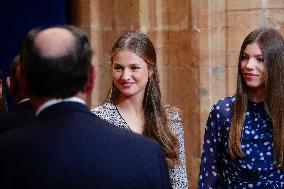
(244, 137)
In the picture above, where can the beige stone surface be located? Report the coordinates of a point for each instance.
(271, 4)
(245, 5)
(197, 44)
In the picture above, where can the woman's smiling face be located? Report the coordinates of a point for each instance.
(252, 67)
(130, 73)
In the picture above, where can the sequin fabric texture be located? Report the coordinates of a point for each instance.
(178, 175)
(256, 169)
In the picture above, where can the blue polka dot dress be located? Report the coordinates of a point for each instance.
(257, 169)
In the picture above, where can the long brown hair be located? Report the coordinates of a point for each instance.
(156, 122)
(271, 45)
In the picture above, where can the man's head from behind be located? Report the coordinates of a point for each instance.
(56, 61)
(14, 87)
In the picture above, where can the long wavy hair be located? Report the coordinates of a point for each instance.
(271, 45)
(156, 122)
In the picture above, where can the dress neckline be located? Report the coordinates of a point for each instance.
(255, 105)
(127, 126)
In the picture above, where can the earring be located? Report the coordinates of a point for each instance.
(109, 96)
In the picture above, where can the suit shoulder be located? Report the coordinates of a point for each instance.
(105, 111)
(121, 134)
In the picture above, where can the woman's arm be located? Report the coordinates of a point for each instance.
(178, 174)
(210, 170)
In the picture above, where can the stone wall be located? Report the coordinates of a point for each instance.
(197, 44)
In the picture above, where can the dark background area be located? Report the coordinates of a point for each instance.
(19, 17)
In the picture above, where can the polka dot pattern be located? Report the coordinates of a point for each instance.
(257, 169)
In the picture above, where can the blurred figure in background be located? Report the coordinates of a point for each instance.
(22, 112)
(3, 104)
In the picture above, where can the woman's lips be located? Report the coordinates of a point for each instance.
(127, 84)
(250, 75)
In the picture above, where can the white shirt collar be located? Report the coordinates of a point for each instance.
(23, 100)
(56, 101)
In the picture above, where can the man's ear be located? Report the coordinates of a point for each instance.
(91, 80)
(11, 87)
(22, 81)
(9, 84)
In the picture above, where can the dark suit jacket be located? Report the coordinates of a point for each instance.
(21, 115)
(69, 147)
